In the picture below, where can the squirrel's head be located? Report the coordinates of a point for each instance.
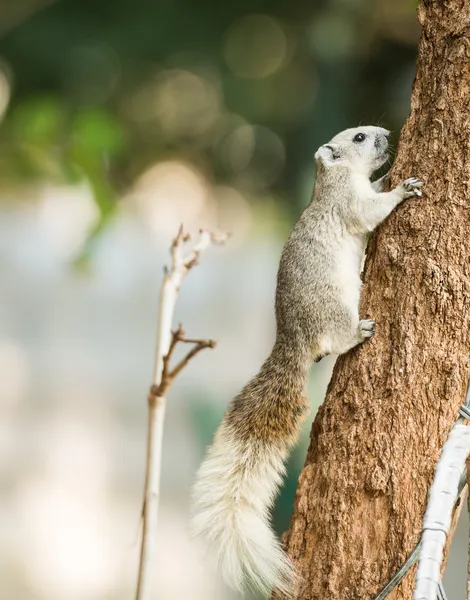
(364, 149)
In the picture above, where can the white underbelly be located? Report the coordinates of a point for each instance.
(347, 272)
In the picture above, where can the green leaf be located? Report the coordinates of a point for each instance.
(38, 121)
(97, 134)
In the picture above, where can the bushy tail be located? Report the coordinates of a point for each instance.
(238, 481)
(235, 489)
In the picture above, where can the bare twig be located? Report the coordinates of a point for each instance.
(163, 377)
(168, 375)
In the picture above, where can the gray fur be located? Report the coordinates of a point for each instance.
(318, 288)
(317, 303)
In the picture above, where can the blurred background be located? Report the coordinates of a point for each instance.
(119, 121)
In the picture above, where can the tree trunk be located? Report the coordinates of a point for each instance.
(391, 403)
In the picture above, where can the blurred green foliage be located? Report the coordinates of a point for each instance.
(245, 91)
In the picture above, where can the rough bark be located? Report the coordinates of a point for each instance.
(391, 403)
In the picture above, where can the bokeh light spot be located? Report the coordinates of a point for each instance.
(234, 214)
(180, 103)
(170, 193)
(237, 149)
(256, 46)
(5, 90)
(332, 36)
(91, 73)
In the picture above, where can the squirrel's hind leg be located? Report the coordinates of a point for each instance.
(345, 336)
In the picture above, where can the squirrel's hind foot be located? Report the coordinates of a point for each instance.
(366, 328)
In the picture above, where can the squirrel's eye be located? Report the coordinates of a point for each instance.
(359, 137)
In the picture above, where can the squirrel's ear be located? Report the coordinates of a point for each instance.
(328, 153)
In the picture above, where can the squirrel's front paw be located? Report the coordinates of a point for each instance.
(410, 187)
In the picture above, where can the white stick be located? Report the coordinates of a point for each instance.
(156, 418)
(180, 265)
(468, 508)
(438, 516)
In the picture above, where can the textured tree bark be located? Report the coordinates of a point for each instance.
(390, 404)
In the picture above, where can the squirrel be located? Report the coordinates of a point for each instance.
(317, 313)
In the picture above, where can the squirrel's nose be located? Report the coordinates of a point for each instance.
(381, 141)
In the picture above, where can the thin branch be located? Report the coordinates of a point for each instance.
(200, 345)
(163, 376)
(168, 375)
(176, 336)
(160, 390)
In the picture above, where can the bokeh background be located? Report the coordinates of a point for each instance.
(119, 121)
